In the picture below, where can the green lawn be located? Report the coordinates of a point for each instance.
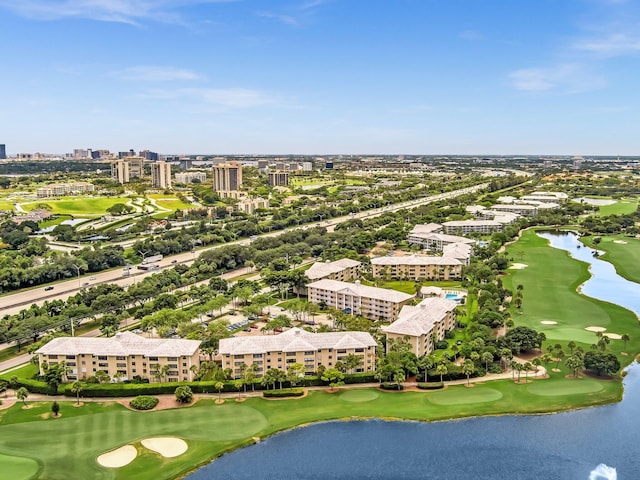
(80, 206)
(67, 447)
(549, 293)
(621, 207)
(169, 201)
(623, 252)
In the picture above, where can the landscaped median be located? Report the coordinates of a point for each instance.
(69, 446)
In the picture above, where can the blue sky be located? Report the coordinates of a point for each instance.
(321, 76)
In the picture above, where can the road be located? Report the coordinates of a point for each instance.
(14, 303)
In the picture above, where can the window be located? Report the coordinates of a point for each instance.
(70, 357)
(153, 359)
(257, 355)
(71, 364)
(172, 359)
(121, 365)
(102, 357)
(133, 363)
(103, 365)
(184, 364)
(291, 354)
(309, 353)
(133, 370)
(53, 356)
(173, 365)
(359, 350)
(121, 358)
(184, 371)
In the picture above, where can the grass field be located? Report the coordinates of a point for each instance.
(621, 207)
(170, 202)
(623, 252)
(66, 447)
(78, 206)
(549, 293)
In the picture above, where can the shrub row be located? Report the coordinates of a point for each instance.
(144, 402)
(285, 392)
(34, 386)
(430, 385)
(391, 386)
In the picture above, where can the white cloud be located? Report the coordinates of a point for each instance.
(234, 98)
(613, 45)
(121, 11)
(286, 19)
(565, 78)
(151, 73)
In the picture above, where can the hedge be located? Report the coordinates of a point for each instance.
(391, 386)
(285, 392)
(430, 385)
(34, 386)
(144, 402)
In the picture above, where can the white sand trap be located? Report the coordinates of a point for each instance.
(621, 242)
(596, 329)
(119, 457)
(168, 447)
(518, 266)
(548, 322)
(613, 336)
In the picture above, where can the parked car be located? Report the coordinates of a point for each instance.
(46, 289)
(246, 329)
(233, 313)
(278, 329)
(254, 326)
(92, 278)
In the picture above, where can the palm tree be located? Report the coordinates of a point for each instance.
(625, 338)
(164, 371)
(487, 357)
(514, 366)
(559, 354)
(219, 386)
(527, 367)
(603, 342)
(22, 395)
(77, 387)
(468, 368)
(442, 370)
(425, 363)
(571, 345)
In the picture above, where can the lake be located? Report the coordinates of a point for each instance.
(591, 444)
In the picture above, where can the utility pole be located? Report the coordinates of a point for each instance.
(78, 271)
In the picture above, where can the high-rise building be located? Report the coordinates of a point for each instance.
(149, 155)
(227, 178)
(278, 179)
(136, 166)
(161, 174)
(3, 151)
(120, 171)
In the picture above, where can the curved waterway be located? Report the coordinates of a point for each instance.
(591, 444)
(604, 284)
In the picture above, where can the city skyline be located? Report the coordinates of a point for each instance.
(321, 76)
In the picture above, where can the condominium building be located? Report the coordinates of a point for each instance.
(161, 174)
(120, 171)
(357, 299)
(344, 270)
(227, 179)
(189, 177)
(297, 346)
(278, 179)
(249, 205)
(435, 241)
(465, 227)
(416, 267)
(125, 355)
(459, 251)
(422, 324)
(136, 166)
(61, 189)
(524, 210)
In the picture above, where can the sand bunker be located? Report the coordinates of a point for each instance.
(119, 457)
(621, 242)
(168, 447)
(596, 329)
(613, 336)
(548, 322)
(518, 266)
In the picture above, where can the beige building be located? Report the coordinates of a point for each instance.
(278, 179)
(125, 353)
(524, 210)
(61, 189)
(344, 270)
(188, 177)
(120, 171)
(227, 179)
(370, 302)
(415, 267)
(297, 346)
(465, 227)
(436, 241)
(249, 205)
(161, 174)
(421, 324)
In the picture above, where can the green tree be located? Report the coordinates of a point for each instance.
(219, 386)
(625, 338)
(334, 377)
(55, 408)
(183, 394)
(487, 358)
(77, 387)
(294, 373)
(468, 369)
(442, 370)
(601, 362)
(22, 395)
(575, 363)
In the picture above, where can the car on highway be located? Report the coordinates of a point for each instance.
(174, 261)
(85, 284)
(46, 289)
(92, 278)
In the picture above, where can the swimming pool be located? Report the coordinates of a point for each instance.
(452, 296)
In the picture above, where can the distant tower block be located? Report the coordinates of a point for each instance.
(227, 179)
(3, 151)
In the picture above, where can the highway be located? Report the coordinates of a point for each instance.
(14, 303)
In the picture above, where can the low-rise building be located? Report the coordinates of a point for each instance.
(423, 324)
(465, 227)
(189, 177)
(62, 189)
(297, 346)
(459, 251)
(436, 241)
(357, 299)
(524, 210)
(344, 270)
(125, 355)
(416, 267)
